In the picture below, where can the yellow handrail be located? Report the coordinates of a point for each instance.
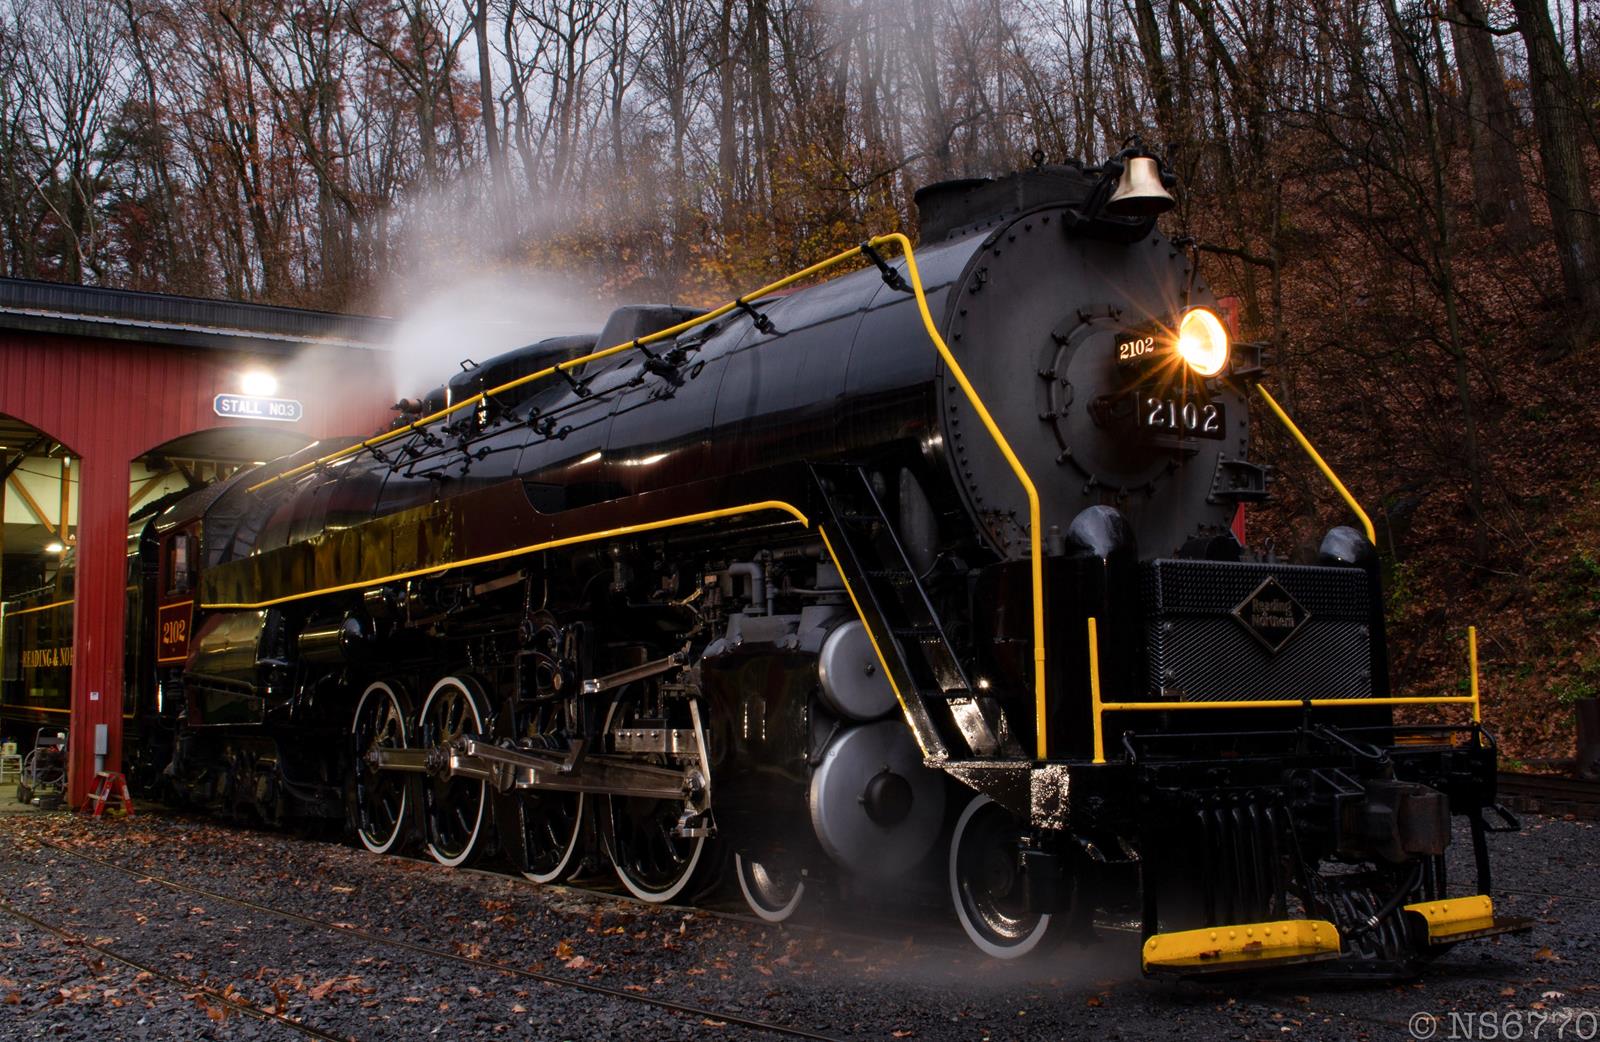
(1041, 741)
(872, 639)
(40, 607)
(1094, 692)
(1472, 664)
(571, 363)
(1099, 708)
(519, 551)
(1322, 464)
(897, 239)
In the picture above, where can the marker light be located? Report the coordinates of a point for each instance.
(1203, 341)
(258, 383)
(54, 548)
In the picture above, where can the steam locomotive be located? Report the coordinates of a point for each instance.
(932, 562)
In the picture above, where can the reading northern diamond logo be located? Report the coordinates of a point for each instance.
(1271, 615)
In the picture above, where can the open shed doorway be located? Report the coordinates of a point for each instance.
(38, 530)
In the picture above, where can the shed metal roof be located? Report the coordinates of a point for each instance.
(162, 318)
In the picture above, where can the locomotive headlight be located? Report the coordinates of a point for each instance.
(1203, 341)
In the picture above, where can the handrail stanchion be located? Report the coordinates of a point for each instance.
(1035, 523)
(1472, 662)
(1094, 692)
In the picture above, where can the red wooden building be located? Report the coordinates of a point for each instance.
(112, 374)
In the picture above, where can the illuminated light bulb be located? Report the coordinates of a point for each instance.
(1203, 342)
(258, 383)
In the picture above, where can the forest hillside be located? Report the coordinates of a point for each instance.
(1399, 192)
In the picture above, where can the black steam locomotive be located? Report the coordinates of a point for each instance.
(930, 562)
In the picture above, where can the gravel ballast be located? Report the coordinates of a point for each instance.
(852, 975)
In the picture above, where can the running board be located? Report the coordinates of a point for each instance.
(1227, 949)
(1464, 919)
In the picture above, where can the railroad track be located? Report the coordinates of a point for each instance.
(1267, 1004)
(1550, 794)
(1267, 1001)
(873, 927)
(346, 930)
(185, 986)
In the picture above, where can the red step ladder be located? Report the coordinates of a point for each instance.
(109, 785)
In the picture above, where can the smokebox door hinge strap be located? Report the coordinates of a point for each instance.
(891, 276)
(762, 322)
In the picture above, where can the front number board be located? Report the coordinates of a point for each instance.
(1183, 417)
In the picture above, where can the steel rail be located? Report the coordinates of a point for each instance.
(237, 1005)
(435, 953)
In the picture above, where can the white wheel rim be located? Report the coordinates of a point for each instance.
(762, 911)
(645, 894)
(974, 934)
(656, 897)
(405, 795)
(483, 793)
(571, 850)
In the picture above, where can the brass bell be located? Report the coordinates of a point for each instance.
(1140, 192)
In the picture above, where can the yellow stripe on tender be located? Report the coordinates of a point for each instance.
(1456, 916)
(1227, 947)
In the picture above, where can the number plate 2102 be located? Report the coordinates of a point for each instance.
(1184, 418)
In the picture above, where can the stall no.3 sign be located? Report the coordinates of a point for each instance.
(245, 407)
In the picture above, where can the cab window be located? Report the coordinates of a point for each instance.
(180, 563)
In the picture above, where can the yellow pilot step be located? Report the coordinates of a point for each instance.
(1458, 918)
(1219, 948)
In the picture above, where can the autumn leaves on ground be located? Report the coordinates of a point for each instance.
(1398, 191)
(355, 945)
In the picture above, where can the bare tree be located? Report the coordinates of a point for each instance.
(1574, 221)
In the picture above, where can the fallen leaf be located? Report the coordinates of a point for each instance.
(564, 949)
